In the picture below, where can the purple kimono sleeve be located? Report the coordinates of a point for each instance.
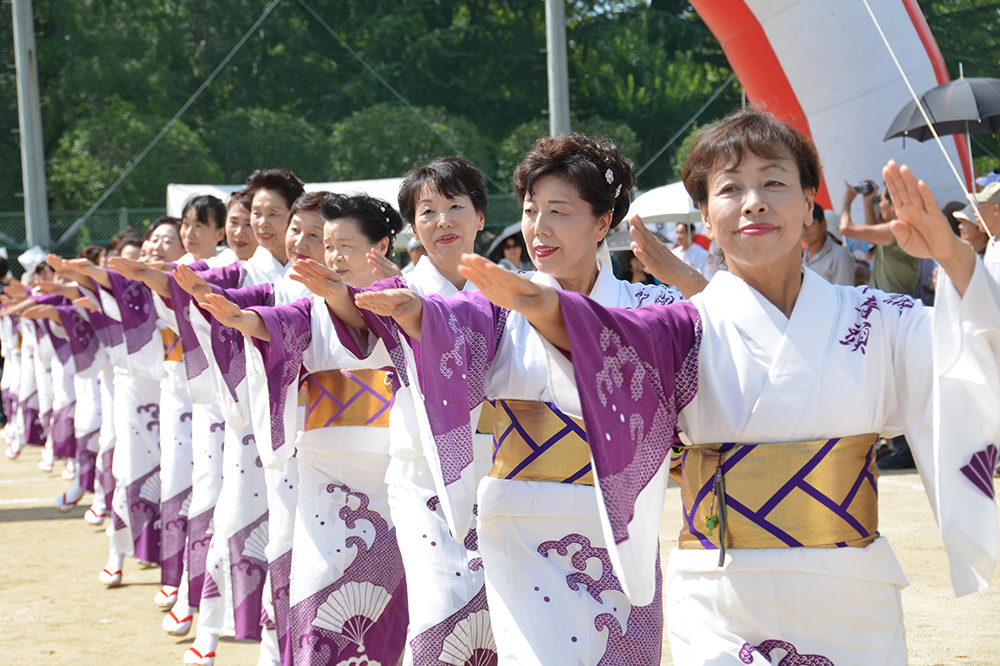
(459, 340)
(227, 343)
(635, 370)
(195, 361)
(384, 328)
(83, 342)
(135, 302)
(290, 332)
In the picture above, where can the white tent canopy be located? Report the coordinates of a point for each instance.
(669, 203)
(386, 189)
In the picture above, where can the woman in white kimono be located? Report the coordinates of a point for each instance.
(10, 383)
(345, 559)
(553, 594)
(781, 383)
(446, 204)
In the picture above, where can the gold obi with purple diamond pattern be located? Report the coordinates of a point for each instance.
(171, 346)
(534, 441)
(819, 494)
(347, 398)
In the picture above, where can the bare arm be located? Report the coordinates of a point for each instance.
(247, 322)
(921, 228)
(65, 290)
(538, 303)
(326, 284)
(136, 270)
(663, 264)
(41, 311)
(79, 269)
(877, 234)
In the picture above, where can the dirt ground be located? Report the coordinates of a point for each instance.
(53, 611)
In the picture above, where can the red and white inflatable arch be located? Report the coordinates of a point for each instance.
(821, 66)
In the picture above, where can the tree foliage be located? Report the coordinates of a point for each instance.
(386, 141)
(322, 71)
(246, 139)
(90, 157)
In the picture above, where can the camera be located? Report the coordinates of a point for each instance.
(864, 188)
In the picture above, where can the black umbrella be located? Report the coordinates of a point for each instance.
(963, 106)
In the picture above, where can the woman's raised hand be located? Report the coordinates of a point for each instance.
(192, 283)
(320, 280)
(506, 288)
(921, 228)
(403, 305)
(382, 266)
(130, 268)
(229, 314)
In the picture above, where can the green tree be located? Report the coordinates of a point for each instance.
(386, 141)
(91, 157)
(248, 139)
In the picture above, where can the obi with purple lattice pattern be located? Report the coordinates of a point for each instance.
(819, 494)
(171, 346)
(534, 441)
(348, 397)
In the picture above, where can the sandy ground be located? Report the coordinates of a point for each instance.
(53, 611)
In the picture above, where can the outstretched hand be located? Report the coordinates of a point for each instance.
(85, 303)
(229, 314)
(403, 305)
(382, 266)
(921, 229)
(193, 284)
(130, 268)
(506, 288)
(16, 291)
(60, 265)
(42, 311)
(320, 280)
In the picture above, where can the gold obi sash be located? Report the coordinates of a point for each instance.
(171, 346)
(486, 416)
(532, 441)
(819, 494)
(348, 398)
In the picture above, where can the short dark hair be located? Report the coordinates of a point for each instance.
(376, 219)
(282, 181)
(450, 176)
(158, 222)
(749, 130)
(131, 240)
(818, 214)
(603, 177)
(239, 198)
(92, 253)
(310, 201)
(206, 206)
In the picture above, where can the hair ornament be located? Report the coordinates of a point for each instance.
(618, 190)
(609, 175)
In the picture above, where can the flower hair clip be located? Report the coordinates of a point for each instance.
(618, 191)
(609, 175)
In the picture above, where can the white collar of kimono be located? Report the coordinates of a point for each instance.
(793, 347)
(267, 264)
(605, 288)
(429, 279)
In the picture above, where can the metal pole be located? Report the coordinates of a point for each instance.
(555, 44)
(36, 205)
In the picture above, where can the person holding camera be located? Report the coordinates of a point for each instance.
(893, 270)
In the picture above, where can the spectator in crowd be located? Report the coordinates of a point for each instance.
(688, 251)
(514, 255)
(893, 270)
(970, 231)
(632, 269)
(823, 254)
(989, 209)
(415, 250)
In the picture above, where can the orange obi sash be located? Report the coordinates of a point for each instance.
(534, 441)
(171, 346)
(818, 494)
(348, 398)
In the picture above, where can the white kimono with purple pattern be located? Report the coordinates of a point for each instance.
(730, 367)
(553, 593)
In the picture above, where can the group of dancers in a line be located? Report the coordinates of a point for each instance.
(464, 465)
